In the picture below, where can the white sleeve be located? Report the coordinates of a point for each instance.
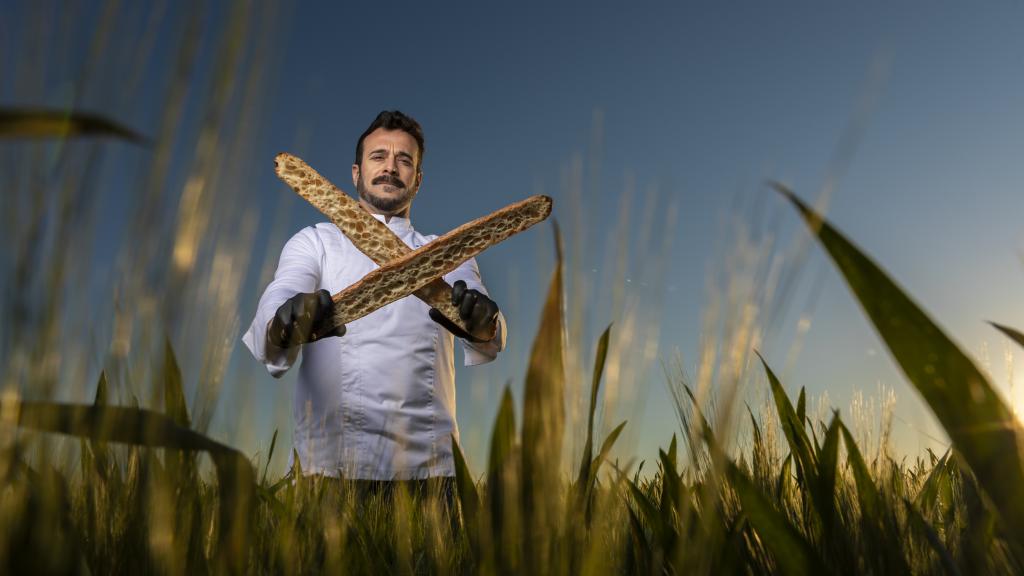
(297, 271)
(483, 352)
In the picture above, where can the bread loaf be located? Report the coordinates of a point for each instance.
(401, 270)
(418, 268)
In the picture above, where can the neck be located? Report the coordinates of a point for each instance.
(403, 213)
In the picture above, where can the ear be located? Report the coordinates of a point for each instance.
(355, 174)
(419, 178)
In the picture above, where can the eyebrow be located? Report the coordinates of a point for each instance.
(385, 150)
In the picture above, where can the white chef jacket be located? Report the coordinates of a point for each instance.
(379, 402)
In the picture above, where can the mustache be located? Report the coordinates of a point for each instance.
(387, 179)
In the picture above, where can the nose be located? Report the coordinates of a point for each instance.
(391, 165)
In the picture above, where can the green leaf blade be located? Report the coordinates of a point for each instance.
(790, 549)
(43, 123)
(867, 492)
(588, 448)
(1010, 333)
(469, 497)
(980, 424)
(792, 426)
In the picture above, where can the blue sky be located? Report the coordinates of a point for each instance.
(699, 102)
(704, 102)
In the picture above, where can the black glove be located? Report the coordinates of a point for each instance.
(477, 311)
(305, 317)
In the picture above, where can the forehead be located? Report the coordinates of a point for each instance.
(397, 140)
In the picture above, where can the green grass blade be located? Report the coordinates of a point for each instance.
(469, 498)
(673, 449)
(100, 452)
(586, 490)
(648, 512)
(980, 424)
(937, 488)
(270, 454)
(141, 427)
(503, 435)
(102, 391)
(1012, 334)
(876, 531)
(782, 484)
(543, 418)
(671, 485)
(296, 471)
(918, 523)
(588, 448)
(503, 440)
(792, 427)
(982, 536)
(39, 123)
(756, 431)
(606, 447)
(599, 361)
(180, 465)
(641, 545)
(867, 492)
(826, 480)
(790, 549)
(704, 426)
(174, 395)
(136, 426)
(801, 406)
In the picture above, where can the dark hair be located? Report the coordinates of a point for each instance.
(393, 120)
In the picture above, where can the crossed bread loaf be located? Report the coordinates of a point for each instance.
(418, 268)
(404, 270)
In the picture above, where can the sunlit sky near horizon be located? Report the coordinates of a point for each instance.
(695, 105)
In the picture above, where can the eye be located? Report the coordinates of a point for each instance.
(406, 162)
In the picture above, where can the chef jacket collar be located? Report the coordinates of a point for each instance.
(396, 222)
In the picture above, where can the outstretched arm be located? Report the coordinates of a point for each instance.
(298, 271)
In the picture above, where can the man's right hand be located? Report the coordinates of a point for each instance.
(303, 318)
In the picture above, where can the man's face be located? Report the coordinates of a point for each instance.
(389, 177)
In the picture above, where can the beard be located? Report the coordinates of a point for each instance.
(386, 204)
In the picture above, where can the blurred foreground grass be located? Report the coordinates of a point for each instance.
(819, 506)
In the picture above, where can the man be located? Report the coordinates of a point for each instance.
(375, 399)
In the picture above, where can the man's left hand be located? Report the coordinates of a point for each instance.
(476, 310)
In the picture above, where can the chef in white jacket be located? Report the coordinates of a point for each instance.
(375, 399)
